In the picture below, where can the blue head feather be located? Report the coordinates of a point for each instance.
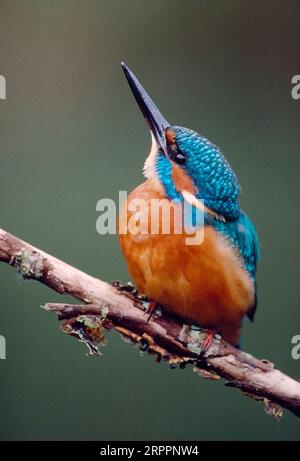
(215, 180)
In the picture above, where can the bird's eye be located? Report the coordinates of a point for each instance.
(179, 158)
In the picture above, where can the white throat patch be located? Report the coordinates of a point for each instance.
(149, 165)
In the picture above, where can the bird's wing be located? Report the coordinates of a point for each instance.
(247, 242)
(242, 235)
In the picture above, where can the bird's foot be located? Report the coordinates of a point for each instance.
(207, 335)
(151, 310)
(207, 341)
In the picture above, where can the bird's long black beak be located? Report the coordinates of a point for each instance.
(156, 121)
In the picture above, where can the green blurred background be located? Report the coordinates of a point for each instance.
(71, 134)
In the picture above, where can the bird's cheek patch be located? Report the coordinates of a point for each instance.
(182, 181)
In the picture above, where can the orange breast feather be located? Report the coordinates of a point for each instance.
(204, 284)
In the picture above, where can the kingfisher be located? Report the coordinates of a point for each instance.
(211, 284)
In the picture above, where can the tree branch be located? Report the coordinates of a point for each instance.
(122, 308)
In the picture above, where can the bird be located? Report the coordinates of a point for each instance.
(211, 284)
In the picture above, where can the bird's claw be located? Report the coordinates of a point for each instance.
(150, 310)
(207, 341)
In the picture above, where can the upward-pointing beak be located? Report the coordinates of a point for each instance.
(156, 121)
